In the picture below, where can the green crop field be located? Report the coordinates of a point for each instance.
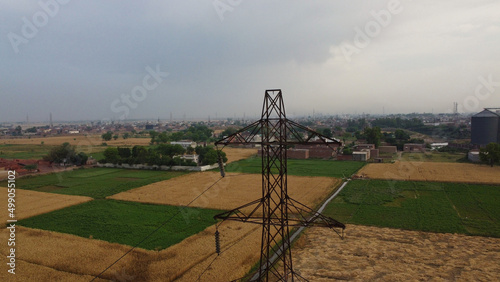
(126, 222)
(427, 206)
(310, 167)
(97, 183)
(14, 151)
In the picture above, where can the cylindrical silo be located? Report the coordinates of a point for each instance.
(484, 128)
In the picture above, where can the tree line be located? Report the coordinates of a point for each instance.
(162, 154)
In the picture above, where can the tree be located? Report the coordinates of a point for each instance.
(170, 150)
(208, 155)
(115, 136)
(139, 154)
(31, 167)
(153, 134)
(401, 135)
(490, 154)
(124, 153)
(359, 135)
(18, 131)
(80, 159)
(60, 153)
(228, 131)
(111, 155)
(327, 132)
(126, 135)
(107, 136)
(373, 135)
(347, 151)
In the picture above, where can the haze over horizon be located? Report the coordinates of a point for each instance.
(92, 60)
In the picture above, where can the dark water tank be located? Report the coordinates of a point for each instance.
(485, 127)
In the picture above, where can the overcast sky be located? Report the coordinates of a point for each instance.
(109, 59)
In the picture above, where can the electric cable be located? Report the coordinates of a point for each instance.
(154, 231)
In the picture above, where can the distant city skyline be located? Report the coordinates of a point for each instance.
(115, 60)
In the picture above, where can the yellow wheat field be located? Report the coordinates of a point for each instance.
(366, 254)
(30, 203)
(52, 256)
(77, 140)
(236, 154)
(383, 254)
(433, 171)
(229, 192)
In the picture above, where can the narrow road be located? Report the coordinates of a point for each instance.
(297, 233)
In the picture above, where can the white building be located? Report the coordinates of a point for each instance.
(194, 158)
(184, 144)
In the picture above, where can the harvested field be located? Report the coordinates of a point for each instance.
(383, 254)
(45, 254)
(433, 171)
(31, 203)
(230, 192)
(77, 140)
(236, 154)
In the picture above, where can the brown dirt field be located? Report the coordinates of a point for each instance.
(236, 154)
(30, 203)
(230, 192)
(430, 171)
(43, 255)
(383, 254)
(81, 140)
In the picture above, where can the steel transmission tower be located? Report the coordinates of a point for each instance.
(275, 210)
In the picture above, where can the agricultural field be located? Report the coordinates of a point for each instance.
(126, 222)
(384, 254)
(76, 140)
(430, 171)
(31, 203)
(130, 204)
(310, 167)
(227, 193)
(38, 147)
(236, 154)
(426, 206)
(97, 183)
(434, 157)
(17, 151)
(45, 255)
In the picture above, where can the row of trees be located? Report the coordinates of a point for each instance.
(197, 133)
(373, 135)
(163, 154)
(447, 131)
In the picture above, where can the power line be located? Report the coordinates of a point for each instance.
(226, 249)
(154, 231)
